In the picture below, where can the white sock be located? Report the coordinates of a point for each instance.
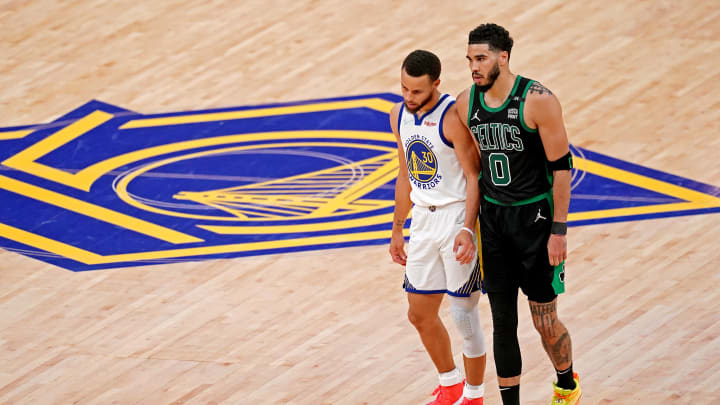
(473, 391)
(452, 377)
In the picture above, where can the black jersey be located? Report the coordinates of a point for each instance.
(513, 163)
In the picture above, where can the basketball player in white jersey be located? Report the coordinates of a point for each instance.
(438, 174)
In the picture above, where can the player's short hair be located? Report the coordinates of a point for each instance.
(419, 63)
(496, 37)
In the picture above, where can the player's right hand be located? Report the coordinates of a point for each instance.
(464, 248)
(397, 249)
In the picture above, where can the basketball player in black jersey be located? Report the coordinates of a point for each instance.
(525, 194)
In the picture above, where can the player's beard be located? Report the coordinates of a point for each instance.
(414, 110)
(492, 76)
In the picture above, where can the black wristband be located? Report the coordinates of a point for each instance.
(558, 228)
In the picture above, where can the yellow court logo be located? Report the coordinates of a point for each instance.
(199, 185)
(104, 187)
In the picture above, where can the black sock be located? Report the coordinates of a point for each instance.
(565, 379)
(510, 395)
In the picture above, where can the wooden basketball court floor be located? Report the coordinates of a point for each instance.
(637, 80)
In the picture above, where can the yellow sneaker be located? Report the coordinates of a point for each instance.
(567, 397)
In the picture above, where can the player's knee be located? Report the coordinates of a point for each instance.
(421, 321)
(549, 328)
(467, 321)
(539, 325)
(505, 320)
(545, 320)
(504, 326)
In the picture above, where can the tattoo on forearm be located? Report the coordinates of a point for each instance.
(400, 223)
(539, 88)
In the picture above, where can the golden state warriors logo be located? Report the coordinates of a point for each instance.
(421, 162)
(105, 187)
(266, 189)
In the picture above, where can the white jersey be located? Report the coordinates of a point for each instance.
(436, 175)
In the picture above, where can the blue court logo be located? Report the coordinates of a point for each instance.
(104, 187)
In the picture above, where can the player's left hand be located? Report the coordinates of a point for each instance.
(464, 247)
(557, 249)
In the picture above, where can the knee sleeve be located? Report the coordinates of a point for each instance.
(465, 314)
(505, 341)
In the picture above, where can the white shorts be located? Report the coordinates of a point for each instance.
(431, 266)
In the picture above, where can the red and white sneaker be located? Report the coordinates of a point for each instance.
(450, 395)
(474, 401)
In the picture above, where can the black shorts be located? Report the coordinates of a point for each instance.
(514, 250)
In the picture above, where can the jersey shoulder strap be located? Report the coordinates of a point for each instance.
(471, 103)
(522, 88)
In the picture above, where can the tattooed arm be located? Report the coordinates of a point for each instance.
(538, 88)
(402, 196)
(543, 111)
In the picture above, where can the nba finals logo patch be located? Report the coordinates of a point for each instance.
(104, 187)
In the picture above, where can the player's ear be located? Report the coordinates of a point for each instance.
(503, 58)
(436, 83)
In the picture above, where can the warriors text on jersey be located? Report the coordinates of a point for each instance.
(513, 162)
(435, 173)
